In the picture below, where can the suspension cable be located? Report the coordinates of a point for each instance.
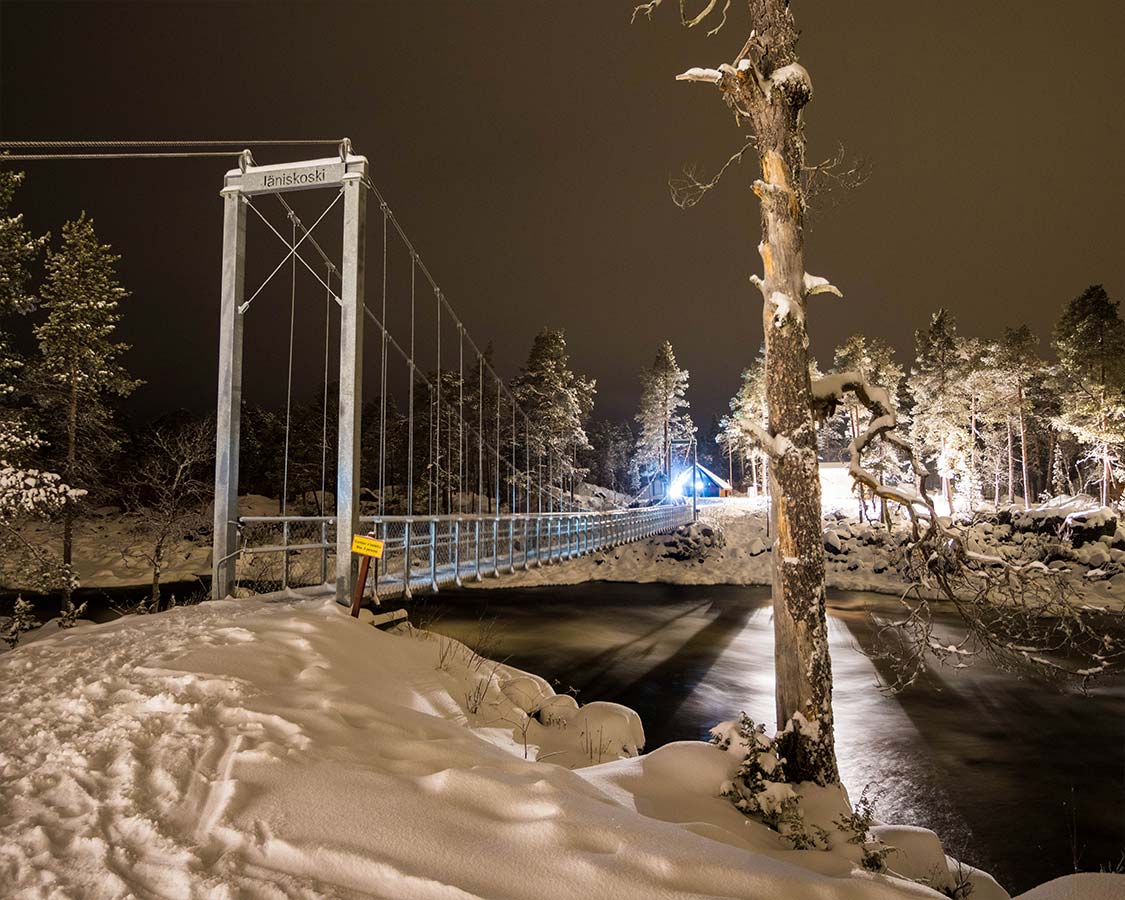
(460, 418)
(324, 406)
(437, 415)
(383, 384)
(410, 401)
(75, 144)
(292, 247)
(42, 157)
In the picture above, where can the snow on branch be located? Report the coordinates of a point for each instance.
(814, 284)
(1023, 615)
(696, 73)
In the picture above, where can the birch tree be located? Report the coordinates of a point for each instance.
(166, 493)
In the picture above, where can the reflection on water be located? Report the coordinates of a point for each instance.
(1011, 774)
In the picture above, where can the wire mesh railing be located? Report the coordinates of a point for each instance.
(423, 553)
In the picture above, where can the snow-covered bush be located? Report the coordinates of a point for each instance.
(760, 789)
(23, 619)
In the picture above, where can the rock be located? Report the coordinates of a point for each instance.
(1094, 555)
(918, 854)
(832, 542)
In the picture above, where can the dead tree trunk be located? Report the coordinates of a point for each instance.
(766, 86)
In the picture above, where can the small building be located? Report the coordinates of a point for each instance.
(706, 483)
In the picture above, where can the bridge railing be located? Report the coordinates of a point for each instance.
(422, 553)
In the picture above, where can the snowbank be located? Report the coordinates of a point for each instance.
(268, 748)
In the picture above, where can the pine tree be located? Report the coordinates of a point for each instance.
(611, 455)
(1090, 343)
(748, 411)
(558, 403)
(1018, 366)
(663, 416)
(18, 250)
(25, 490)
(78, 369)
(941, 405)
(23, 620)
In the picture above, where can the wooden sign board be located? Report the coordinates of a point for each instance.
(367, 546)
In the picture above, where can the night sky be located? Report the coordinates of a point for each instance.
(526, 148)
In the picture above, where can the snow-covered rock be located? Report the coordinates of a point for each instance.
(1080, 886)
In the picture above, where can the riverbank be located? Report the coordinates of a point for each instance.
(730, 545)
(275, 745)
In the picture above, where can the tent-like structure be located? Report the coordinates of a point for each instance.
(707, 483)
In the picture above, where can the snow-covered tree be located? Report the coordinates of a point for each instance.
(663, 415)
(23, 620)
(874, 359)
(18, 250)
(79, 367)
(558, 403)
(941, 409)
(25, 490)
(748, 416)
(1090, 343)
(1018, 367)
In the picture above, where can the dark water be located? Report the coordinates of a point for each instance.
(1016, 777)
(104, 604)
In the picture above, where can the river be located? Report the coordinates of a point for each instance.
(1017, 777)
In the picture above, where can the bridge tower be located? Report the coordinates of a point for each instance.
(347, 174)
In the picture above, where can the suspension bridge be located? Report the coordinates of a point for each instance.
(446, 468)
(465, 483)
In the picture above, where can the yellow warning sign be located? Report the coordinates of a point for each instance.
(367, 546)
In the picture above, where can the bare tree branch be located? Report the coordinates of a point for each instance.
(708, 8)
(689, 190)
(834, 177)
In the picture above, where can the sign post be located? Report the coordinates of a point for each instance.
(367, 548)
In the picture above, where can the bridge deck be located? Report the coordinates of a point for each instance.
(422, 553)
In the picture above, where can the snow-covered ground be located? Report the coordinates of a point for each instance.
(278, 748)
